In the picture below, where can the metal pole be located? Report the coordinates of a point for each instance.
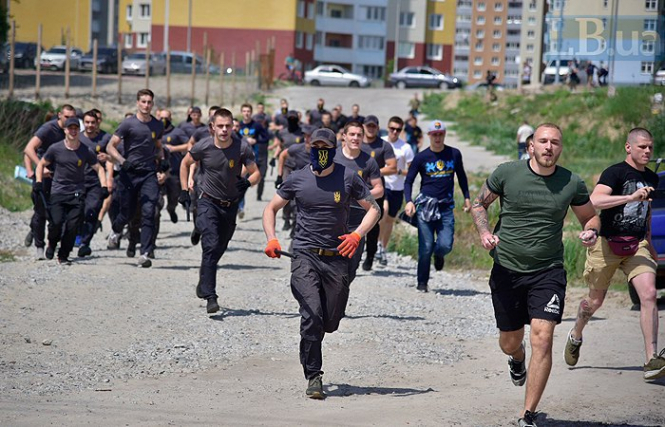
(167, 7)
(189, 28)
(119, 73)
(168, 78)
(94, 68)
(38, 76)
(559, 37)
(611, 90)
(67, 65)
(193, 78)
(233, 78)
(221, 78)
(207, 59)
(147, 65)
(396, 56)
(12, 59)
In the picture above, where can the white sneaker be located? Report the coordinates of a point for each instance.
(114, 240)
(144, 261)
(39, 254)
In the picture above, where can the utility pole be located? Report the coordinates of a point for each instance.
(611, 90)
(559, 42)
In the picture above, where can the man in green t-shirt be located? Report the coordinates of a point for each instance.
(528, 281)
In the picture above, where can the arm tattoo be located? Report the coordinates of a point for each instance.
(370, 199)
(479, 208)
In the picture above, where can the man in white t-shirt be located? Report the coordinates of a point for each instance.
(523, 132)
(394, 185)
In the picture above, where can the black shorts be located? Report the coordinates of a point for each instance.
(395, 199)
(520, 297)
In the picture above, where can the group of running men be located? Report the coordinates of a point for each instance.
(335, 178)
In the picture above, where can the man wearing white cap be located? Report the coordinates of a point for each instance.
(435, 203)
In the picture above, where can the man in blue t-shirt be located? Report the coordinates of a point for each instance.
(435, 203)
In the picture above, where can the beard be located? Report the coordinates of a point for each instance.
(546, 162)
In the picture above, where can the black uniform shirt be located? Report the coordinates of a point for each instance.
(367, 169)
(96, 145)
(49, 133)
(220, 167)
(174, 137)
(288, 139)
(299, 154)
(140, 140)
(380, 150)
(70, 165)
(323, 205)
(189, 128)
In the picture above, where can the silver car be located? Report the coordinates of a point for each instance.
(423, 77)
(135, 64)
(334, 75)
(55, 58)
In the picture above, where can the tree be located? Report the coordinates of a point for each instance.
(4, 23)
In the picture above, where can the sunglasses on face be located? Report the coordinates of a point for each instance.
(395, 129)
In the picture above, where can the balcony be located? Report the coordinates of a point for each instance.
(343, 55)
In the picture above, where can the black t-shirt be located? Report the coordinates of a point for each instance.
(366, 168)
(413, 134)
(189, 128)
(70, 166)
(201, 133)
(380, 150)
(96, 145)
(323, 205)
(299, 154)
(220, 167)
(629, 219)
(174, 137)
(288, 139)
(49, 133)
(140, 139)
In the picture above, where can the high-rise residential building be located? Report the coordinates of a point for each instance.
(232, 28)
(531, 41)
(86, 20)
(589, 31)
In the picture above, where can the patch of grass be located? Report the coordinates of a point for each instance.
(6, 256)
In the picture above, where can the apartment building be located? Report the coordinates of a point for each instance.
(134, 23)
(86, 19)
(531, 41)
(587, 31)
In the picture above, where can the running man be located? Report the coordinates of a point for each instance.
(623, 196)
(528, 281)
(221, 159)
(322, 247)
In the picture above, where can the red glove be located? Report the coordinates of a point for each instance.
(272, 247)
(349, 245)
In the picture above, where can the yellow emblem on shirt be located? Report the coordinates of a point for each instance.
(245, 131)
(297, 140)
(168, 139)
(439, 165)
(154, 135)
(80, 162)
(360, 173)
(231, 163)
(373, 153)
(98, 148)
(338, 196)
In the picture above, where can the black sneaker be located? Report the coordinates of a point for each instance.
(439, 262)
(199, 291)
(131, 250)
(174, 217)
(28, 239)
(315, 388)
(84, 250)
(195, 237)
(64, 261)
(518, 369)
(422, 287)
(50, 252)
(367, 264)
(212, 306)
(151, 254)
(144, 261)
(528, 420)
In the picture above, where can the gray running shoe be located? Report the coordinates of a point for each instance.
(28, 239)
(114, 240)
(528, 420)
(315, 388)
(144, 261)
(518, 369)
(656, 367)
(571, 352)
(39, 254)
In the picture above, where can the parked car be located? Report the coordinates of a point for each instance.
(334, 75)
(24, 54)
(181, 62)
(549, 74)
(482, 86)
(107, 60)
(423, 77)
(659, 77)
(55, 57)
(657, 235)
(4, 64)
(135, 64)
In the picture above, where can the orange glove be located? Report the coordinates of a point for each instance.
(349, 245)
(272, 247)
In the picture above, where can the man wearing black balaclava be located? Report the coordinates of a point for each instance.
(291, 134)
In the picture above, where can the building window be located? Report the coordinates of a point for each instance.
(533, 6)
(531, 20)
(299, 39)
(463, 3)
(498, 20)
(496, 47)
(647, 68)
(498, 7)
(480, 34)
(370, 42)
(318, 38)
(481, 7)
(373, 71)
(405, 50)
(129, 41)
(512, 45)
(407, 19)
(559, 4)
(144, 11)
(301, 9)
(435, 52)
(478, 60)
(129, 12)
(461, 44)
(529, 48)
(496, 34)
(514, 19)
(605, 3)
(480, 20)
(495, 60)
(477, 74)
(375, 13)
(649, 25)
(531, 34)
(462, 58)
(310, 11)
(651, 5)
(319, 8)
(460, 71)
(436, 21)
(463, 18)
(143, 40)
(647, 46)
(479, 46)
(309, 41)
(510, 59)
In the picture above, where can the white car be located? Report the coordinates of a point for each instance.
(659, 77)
(549, 75)
(136, 64)
(55, 58)
(334, 75)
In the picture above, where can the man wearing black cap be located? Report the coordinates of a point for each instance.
(290, 135)
(221, 159)
(49, 133)
(434, 206)
(322, 245)
(381, 151)
(141, 136)
(69, 159)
